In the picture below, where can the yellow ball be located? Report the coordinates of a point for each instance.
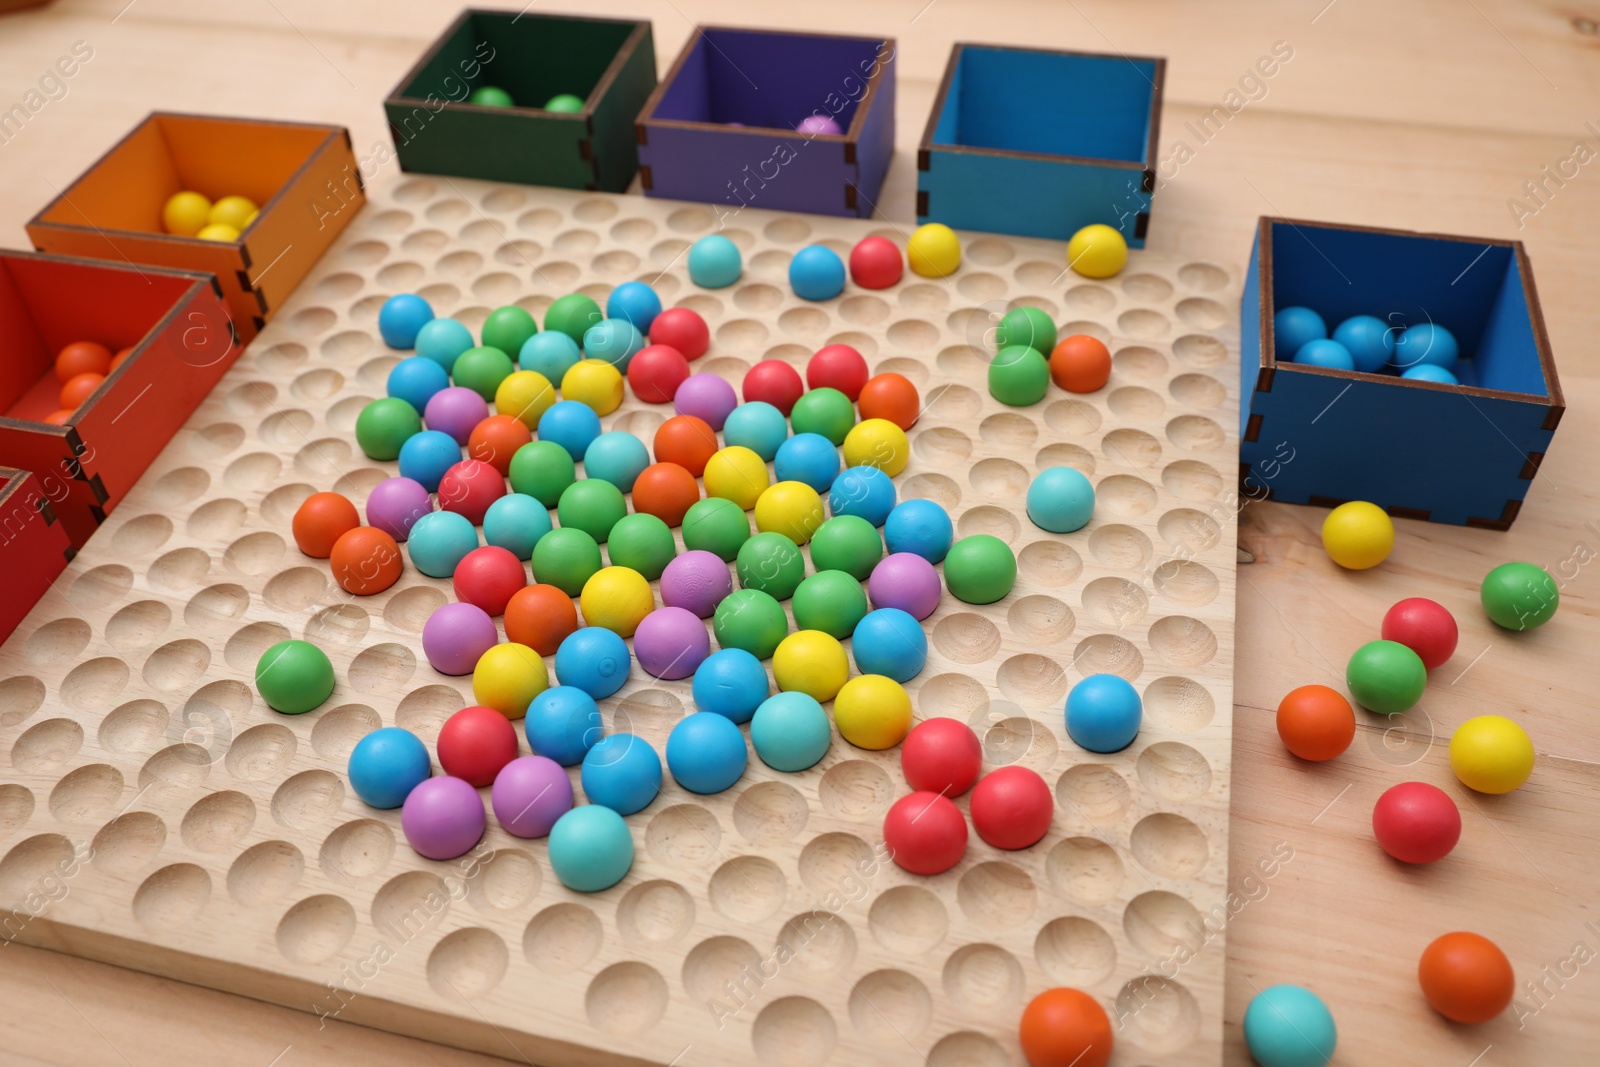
(810, 662)
(594, 382)
(877, 443)
(218, 231)
(1491, 754)
(934, 250)
(791, 508)
(1358, 535)
(252, 216)
(526, 394)
(235, 211)
(872, 712)
(617, 598)
(736, 473)
(1097, 251)
(508, 677)
(185, 213)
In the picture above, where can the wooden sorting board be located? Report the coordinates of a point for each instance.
(158, 815)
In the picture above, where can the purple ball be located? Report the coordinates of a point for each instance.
(906, 581)
(697, 580)
(530, 793)
(671, 643)
(457, 411)
(456, 635)
(818, 124)
(705, 396)
(395, 503)
(443, 818)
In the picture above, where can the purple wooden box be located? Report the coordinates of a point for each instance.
(720, 128)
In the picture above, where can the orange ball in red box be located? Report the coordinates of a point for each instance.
(489, 576)
(469, 487)
(666, 491)
(774, 382)
(682, 329)
(122, 354)
(365, 561)
(496, 439)
(1080, 364)
(655, 372)
(82, 357)
(475, 744)
(320, 520)
(1423, 626)
(875, 263)
(1065, 1028)
(838, 367)
(890, 396)
(59, 418)
(1466, 977)
(1316, 723)
(541, 617)
(688, 441)
(78, 388)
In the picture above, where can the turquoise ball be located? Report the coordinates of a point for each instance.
(714, 262)
(551, 353)
(1289, 1026)
(516, 522)
(439, 541)
(790, 732)
(1426, 342)
(616, 457)
(1060, 500)
(442, 340)
(1430, 372)
(1292, 327)
(758, 426)
(613, 340)
(590, 848)
(706, 752)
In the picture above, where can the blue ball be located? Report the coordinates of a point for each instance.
(1429, 372)
(758, 426)
(921, 527)
(623, 772)
(613, 340)
(1103, 713)
(616, 457)
(1060, 500)
(516, 522)
(1426, 342)
(415, 379)
(809, 458)
(442, 340)
(1325, 354)
(439, 541)
(636, 302)
(386, 765)
(1289, 1026)
(816, 273)
(563, 724)
(714, 262)
(591, 849)
(401, 317)
(571, 424)
(706, 752)
(1292, 327)
(427, 455)
(790, 732)
(730, 682)
(551, 353)
(890, 642)
(863, 491)
(594, 659)
(1368, 340)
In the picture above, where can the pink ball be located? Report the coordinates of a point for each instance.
(456, 635)
(671, 643)
(530, 794)
(443, 818)
(456, 411)
(706, 396)
(395, 503)
(815, 124)
(698, 581)
(906, 581)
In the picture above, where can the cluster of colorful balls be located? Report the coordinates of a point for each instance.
(80, 368)
(1425, 351)
(192, 214)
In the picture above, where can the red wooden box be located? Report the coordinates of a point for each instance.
(34, 547)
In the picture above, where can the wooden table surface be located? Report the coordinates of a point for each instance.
(1429, 115)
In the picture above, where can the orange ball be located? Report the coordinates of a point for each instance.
(540, 616)
(122, 354)
(688, 441)
(1080, 364)
(365, 561)
(890, 396)
(78, 388)
(58, 418)
(1066, 1028)
(666, 491)
(320, 521)
(82, 357)
(496, 439)
(1466, 977)
(1316, 723)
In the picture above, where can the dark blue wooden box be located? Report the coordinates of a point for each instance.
(1464, 454)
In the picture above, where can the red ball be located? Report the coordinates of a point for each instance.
(489, 576)
(475, 743)
(773, 381)
(655, 372)
(875, 263)
(838, 367)
(469, 487)
(1012, 808)
(941, 756)
(682, 329)
(1424, 627)
(926, 833)
(1416, 822)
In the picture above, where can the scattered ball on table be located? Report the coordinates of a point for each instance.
(814, 124)
(718, 526)
(830, 601)
(1097, 251)
(655, 372)
(482, 370)
(920, 527)
(542, 470)
(707, 397)
(775, 383)
(980, 569)
(706, 753)
(687, 440)
(590, 849)
(592, 505)
(825, 413)
(756, 425)
(618, 599)
(82, 357)
(185, 213)
(622, 772)
(79, 388)
(563, 724)
(811, 662)
(570, 424)
(401, 317)
(564, 103)
(1358, 535)
(1080, 364)
(1425, 343)
(771, 563)
(443, 341)
(1293, 328)
(751, 620)
(551, 354)
(1369, 341)
(1316, 723)
(888, 641)
(1061, 500)
(294, 677)
(1423, 626)
(1289, 1026)
(508, 677)
(565, 558)
(616, 457)
(1427, 372)
(789, 731)
(816, 273)
(1012, 808)
(1491, 754)
(871, 711)
(877, 443)
(636, 302)
(365, 561)
(456, 636)
(525, 395)
(1029, 327)
(683, 329)
(508, 329)
(1324, 353)
(475, 744)
(1416, 822)
(866, 492)
(890, 396)
(714, 262)
(732, 682)
(488, 577)
(439, 541)
(382, 427)
(1103, 713)
(613, 341)
(1466, 977)
(415, 380)
(847, 543)
(593, 382)
(469, 487)
(671, 643)
(490, 96)
(443, 818)
(809, 458)
(933, 250)
(876, 263)
(906, 581)
(386, 765)
(530, 793)
(666, 491)
(218, 231)
(1519, 596)
(540, 616)
(1064, 1027)
(737, 474)
(926, 833)
(320, 520)
(572, 315)
(941, 756)
(595, 660)
(1386, 677)
(643, 543)
(395, 504)
(515, 522)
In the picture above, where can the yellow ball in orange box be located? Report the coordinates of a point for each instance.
(235, 211)
(1097, 251)
(593, 382)
(507, 678)
(738, 474)
(186, 213)
(218, 231)
(877, 443)
(616, 599)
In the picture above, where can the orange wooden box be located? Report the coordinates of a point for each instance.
(34, 547)
(304, 177)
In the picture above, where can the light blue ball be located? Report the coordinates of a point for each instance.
(636, 302)
(415, 379)
(790, 732)
(613, 340)
(616, 457)
(442, 340)
(386, 765)
(1060, 500)
(706, 752)
(623, 772)
(816, 273)
(439, 541)
(921, 527)
(1325, 354)
(890, 642)
(1103, 713)
(591, 849)
(807, 457)
(595, 660)
(401, 317)
(864, 491)
(758, 426)
(1289, 1026)
(563, 724)
(730, 682)
(1426, 342)
(516, 522)
(426, 456)
(714, 262)
(1368, 340)
(1429, 372)
(571, 424)
(551, 353)
(1292, 327)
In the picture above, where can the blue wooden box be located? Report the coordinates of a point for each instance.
(1463, 454)
(720, 128)
(1042, 143)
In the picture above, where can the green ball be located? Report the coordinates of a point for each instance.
(542, 470)
(824, 411)
(751, 620)
(830, 601)
(482, 370)
(1520, 596)
(508, 328)
(384, 425)
(771, 563)
(642, 542)
(565, 558)
(980, 569)
(572, 315)
(490, 96)
(716, 525)
(592, 505)
(1386, 677)
(1018, 376)
(294, 676)
(847, 543)
(564, 103)
(1029, 327)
